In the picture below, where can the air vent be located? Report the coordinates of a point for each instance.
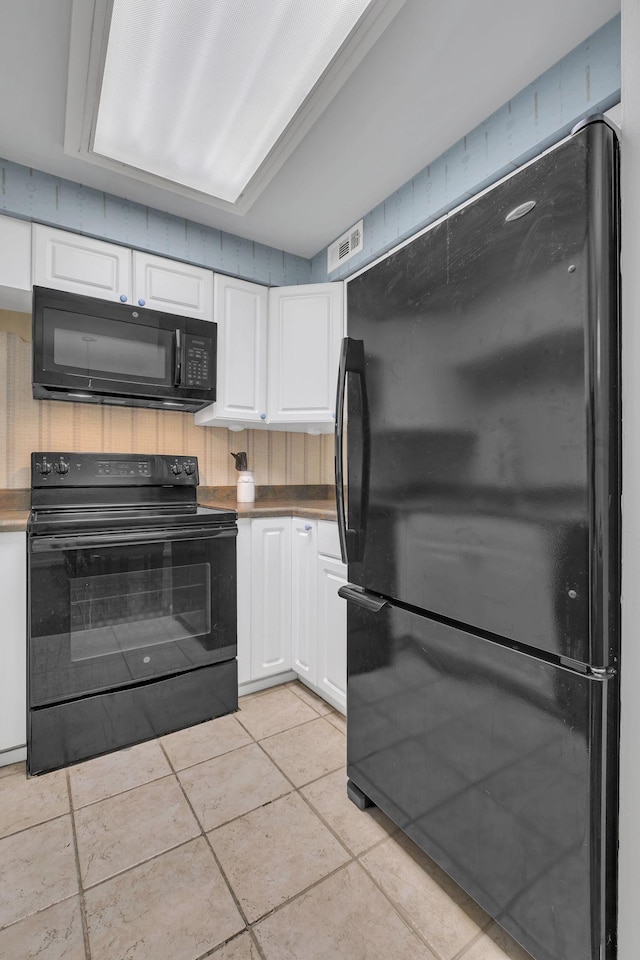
(345, 246)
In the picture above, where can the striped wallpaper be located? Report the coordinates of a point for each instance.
(27, 425)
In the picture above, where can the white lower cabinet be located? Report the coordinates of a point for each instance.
(291, 620)
(270, 596)
(243, 548)
(331, 654)
(13, 647)
(304, 597)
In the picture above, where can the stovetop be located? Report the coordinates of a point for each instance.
(51, 521)
(74, 492)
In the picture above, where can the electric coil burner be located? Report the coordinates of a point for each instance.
(132, 604)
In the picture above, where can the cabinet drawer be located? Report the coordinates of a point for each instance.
(328, 539)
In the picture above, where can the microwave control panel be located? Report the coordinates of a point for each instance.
(197, 362)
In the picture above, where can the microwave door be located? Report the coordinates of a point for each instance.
(94, 350)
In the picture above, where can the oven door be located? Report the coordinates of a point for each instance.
(114, 609)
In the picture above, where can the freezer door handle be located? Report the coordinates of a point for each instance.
(351, 538)
(367, 600)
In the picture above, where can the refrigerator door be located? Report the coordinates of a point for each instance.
(495, 764)
(482, 436)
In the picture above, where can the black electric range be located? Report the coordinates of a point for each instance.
(132, 604)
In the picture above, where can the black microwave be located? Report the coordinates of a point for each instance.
(95, 351)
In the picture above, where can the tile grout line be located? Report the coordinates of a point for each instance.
(121, 793)
(460, 954)
(249, 926)
(83, 905)
(304, 892)
(204, 834)
(401, 913)
(303, 723)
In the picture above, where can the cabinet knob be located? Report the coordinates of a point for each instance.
(263, 416)
(123, 297)
(307, 526)
(141, 302)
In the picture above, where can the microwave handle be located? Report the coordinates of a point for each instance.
(177, 371)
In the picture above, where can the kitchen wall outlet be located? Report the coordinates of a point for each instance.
(346, 246)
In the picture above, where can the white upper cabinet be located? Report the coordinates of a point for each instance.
(306, 327)
(67, 261)
(240, 310)
(172, 286)
(15, 264)
(278, 355)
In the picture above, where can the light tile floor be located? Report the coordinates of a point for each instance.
(233, 840)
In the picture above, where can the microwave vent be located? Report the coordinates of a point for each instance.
(345, 247)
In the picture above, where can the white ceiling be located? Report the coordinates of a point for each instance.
(440, 68)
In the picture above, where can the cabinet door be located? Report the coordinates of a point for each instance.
(243, 549)
(304, 597)
(15, 264)
(332, 632)
(172, 286)
(13, 648)
(67, 261)
(306, 327)
(240, 310)
(270, 596)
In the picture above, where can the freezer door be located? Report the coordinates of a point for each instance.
(496, 765)
(482, 428)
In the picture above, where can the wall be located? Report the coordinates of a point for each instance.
(33, 195)
(586, 81)
(27, 424)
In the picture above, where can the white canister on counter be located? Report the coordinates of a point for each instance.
(246, 487)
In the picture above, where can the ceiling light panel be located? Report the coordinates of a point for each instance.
(199, 93)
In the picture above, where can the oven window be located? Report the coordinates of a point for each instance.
(116, 612)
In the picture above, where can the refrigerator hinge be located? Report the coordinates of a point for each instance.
(602, 673)
(595, 673)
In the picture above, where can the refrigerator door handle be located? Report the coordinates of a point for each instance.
(351, 361)
(367, 600)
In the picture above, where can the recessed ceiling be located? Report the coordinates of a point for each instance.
(211, 104)
(435, 73)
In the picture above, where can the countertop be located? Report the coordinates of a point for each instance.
(279, 501)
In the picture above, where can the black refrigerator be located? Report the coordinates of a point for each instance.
(478, 487)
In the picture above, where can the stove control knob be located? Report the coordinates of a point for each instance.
(44, 468)
(176, 468)
(61, 467)
(189, 468)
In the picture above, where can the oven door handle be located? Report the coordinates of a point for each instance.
(85, 541)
